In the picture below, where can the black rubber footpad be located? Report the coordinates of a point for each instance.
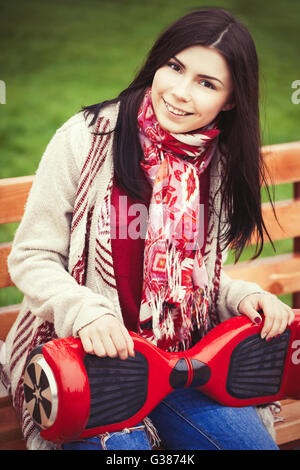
(180, 374)
(201, 373)
(118, 387)
(256, 366)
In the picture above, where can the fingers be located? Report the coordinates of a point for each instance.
(122, 342)
(249, 310)
(291, 316)
(103, 346)
(106, 336)
(276, 315)
(274, 324)
(86, 342)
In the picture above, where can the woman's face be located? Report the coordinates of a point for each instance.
(191, 89)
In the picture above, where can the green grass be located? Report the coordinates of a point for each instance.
(58, 55)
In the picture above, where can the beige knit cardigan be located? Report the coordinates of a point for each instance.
(64, 271)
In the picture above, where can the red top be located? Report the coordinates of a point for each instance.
(128, 230)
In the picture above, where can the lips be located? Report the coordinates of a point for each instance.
(175, 111)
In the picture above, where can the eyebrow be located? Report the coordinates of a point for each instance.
(199, 74)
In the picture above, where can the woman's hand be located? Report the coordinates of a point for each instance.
(277, 315)
(107, 336)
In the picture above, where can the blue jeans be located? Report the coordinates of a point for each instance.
(188, 419)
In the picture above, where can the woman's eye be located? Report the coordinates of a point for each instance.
(174, 66)
(207, 84)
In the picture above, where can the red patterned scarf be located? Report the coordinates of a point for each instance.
(174, 299)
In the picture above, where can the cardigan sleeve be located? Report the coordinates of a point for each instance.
(39, 258)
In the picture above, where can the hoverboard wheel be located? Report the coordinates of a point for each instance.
(40, 391)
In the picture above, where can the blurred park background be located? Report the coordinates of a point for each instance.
(59, 55)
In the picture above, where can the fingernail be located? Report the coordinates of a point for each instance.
(270, 338)
(257, 320)
(278, 336)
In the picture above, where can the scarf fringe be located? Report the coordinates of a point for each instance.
(173, 263)
(191, 314)
(192, 309)
(151, 431)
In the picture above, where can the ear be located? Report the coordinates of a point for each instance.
(228, 106)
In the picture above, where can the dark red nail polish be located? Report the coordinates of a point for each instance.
(257, 320)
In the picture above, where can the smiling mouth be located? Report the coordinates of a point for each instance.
(175, 111)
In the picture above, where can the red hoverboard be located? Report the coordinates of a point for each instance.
(72, 395)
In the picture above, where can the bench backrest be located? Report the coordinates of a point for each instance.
(13, 196)
(278, 274)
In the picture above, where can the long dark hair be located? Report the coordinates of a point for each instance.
(240, 141)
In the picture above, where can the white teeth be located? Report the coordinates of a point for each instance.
(174, 110)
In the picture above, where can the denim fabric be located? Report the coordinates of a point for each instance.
(188, 419)
(135, 439)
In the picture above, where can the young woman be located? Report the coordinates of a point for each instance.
(180, 145)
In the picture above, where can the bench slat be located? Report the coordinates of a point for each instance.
(11, 437)
(8, 316)
(282, 161)
(13, 196)
(278, 274)
(288, 225)
(10, 426)
(288, 430)
(13, 445)
(5, 280)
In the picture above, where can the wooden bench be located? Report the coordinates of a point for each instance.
(278, 274)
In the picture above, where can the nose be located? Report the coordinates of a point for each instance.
(182, 90)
